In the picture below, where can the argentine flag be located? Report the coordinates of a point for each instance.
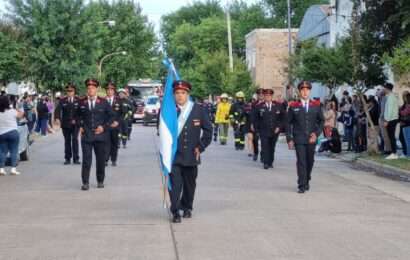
(168, 125)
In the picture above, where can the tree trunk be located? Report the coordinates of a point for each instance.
(372, 131)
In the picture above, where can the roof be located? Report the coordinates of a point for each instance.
(273, 30)
(316, 24)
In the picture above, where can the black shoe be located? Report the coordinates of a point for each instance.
(301, 191)
(307, 187)
(265, 166)
(176, 218)
(187, 214)
(77, 162)
(215, 139)
(67, 162)
(85, 187)
(255, 158)
(100, 185)
(271, 166)
(249, 155)
(114, 164)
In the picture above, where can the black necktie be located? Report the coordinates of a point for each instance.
(92, 103)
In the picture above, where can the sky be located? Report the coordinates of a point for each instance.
(154, 9)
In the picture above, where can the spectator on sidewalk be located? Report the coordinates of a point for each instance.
(9, 136)
(345, 100)
(374, 111)
(391, 118)
(405, 123)
(29, 114)
(42, 117)
(385, 145)
(330, 119)
(361, 131)
(50, 107)
(347, 118)
(332, 144)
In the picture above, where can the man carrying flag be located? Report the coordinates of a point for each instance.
(194, 135)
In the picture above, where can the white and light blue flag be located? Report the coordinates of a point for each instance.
(168, 126)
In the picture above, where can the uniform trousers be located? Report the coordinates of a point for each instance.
(112, 145)
(255, 141)
(71, 143)
(183, 185)
(100, 154)
(305, 155)
(268, 148)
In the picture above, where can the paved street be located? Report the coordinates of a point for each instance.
(242, 211)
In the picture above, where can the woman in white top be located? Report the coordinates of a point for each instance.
(9, 136)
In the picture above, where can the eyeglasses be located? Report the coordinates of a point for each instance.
(70, 90)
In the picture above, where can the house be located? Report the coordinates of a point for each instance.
(327, 23)
(267, 53)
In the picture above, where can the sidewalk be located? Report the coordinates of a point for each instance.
(394, 169)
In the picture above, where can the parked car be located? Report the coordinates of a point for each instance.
(24, 142)
(151, 109)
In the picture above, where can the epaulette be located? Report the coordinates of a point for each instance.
(82, 99)
(314, 103)
(295, 104)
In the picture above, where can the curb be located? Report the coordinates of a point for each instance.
(372, 166)
(384, 170)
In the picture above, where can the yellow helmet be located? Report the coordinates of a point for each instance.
(240, 94)
(224, 95)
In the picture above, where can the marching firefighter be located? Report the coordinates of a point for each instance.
(254, 128)
(271, 119)
(222, 118)
(305, 124)
(126, 116)
(67, 113)
(194, 135)
(133, 107)
(113, 131)
(95, 118)
(237, 116)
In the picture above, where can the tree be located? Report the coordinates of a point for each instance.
(201, 53)
(247, 18)
(329, 66)
(190, 14)
(279, 11)
(68, 38)
(362, 69)
(132, 33)
(12, 53)
(60, 50)
(400, 61)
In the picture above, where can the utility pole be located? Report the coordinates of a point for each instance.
(228, 18)
(289, 28)
(290, 49)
